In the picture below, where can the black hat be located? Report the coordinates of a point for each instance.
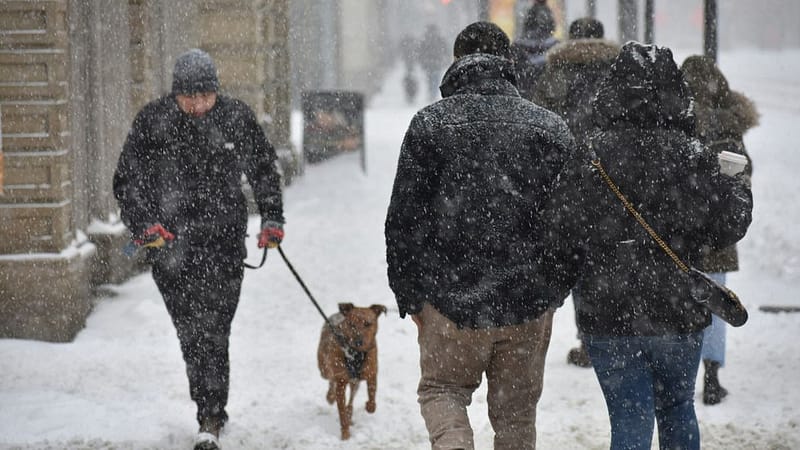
(586, 28)
(194, 72)
(482, 37)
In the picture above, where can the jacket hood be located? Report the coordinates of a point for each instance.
(582, 51)
(732, 119)
(479, 73)
(646, 89)
(720, 111)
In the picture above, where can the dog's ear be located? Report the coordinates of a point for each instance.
(345, 308)
(378, 309)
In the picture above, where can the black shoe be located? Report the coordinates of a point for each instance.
(578, 357)
(208, 436)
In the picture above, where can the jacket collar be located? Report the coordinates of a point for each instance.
(479, 73)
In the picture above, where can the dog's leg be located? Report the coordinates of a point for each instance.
(331, 395)
(353, 389)
(372, 388)
(344, 417)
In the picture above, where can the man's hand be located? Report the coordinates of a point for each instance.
(154, 237)
(271, 235)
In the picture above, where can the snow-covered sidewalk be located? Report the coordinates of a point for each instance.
(121, 383)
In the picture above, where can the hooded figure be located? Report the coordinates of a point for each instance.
(641, 328)
(533, 43)
(723, 116)
(568, 85)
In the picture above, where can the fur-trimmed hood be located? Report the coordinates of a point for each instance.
(582, 51)
(732, 118)
(720, 111)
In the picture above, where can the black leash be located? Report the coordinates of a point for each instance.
(354, 358)
(263, 259)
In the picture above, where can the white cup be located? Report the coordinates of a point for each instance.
(731, 163)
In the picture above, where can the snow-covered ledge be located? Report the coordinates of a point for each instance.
(46, 296)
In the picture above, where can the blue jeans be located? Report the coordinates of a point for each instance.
(645, 378)
(714, 334)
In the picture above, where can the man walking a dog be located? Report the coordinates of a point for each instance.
(178, 184)
(463, 243)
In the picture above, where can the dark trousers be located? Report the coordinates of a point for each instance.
(201, 295)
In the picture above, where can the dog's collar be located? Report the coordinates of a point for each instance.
(354, 362)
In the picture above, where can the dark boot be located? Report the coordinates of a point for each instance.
(578, 357)
(713, 393)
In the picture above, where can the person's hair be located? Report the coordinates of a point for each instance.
(539, 22)
(482, 37)
(586, 28)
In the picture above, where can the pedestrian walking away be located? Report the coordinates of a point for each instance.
(723, 117)
(643, 330)
(461, 243)
(432, 54)
(530, 48)
(179, 187)
(572, 74)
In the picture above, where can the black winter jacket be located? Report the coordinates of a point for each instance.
(628, 285)
(186, 174)
(461, 230)
(723, 117)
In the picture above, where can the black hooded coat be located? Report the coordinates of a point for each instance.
(186, 174)
(723, 117)
(628, 285)
(462, 225)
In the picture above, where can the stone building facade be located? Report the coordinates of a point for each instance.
(73, 73)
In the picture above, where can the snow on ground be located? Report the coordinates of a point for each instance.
(121, 383)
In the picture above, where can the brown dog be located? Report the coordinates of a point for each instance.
(347, 354)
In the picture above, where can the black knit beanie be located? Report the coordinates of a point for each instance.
(482, 37)
(586, 28)
(194, 73)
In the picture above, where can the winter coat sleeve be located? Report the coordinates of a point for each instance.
(406, 232)
(731, 205)
(132, 187)
(565, 225)
(262, 173)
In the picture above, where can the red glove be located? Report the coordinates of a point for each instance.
(270, 236)
(155, 236)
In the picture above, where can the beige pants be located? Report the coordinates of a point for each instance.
(453, 361)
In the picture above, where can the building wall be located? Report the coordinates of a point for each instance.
(73, 73)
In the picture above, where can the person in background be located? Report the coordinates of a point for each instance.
(408, 48)
(179, 187)
(461, 243)
(723, 117)
(572, 74)
(642, 329)
(530, 48)
(432, 56)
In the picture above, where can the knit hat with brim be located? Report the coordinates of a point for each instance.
(194, 73)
